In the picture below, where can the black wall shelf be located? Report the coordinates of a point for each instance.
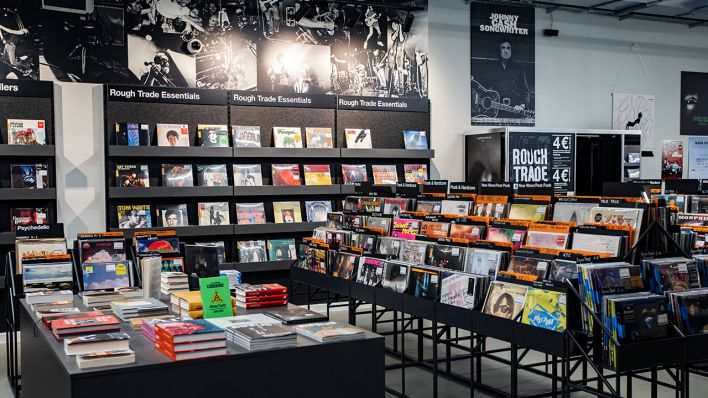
(265, 266)
(27, 150)
(186, 231)
(27, 194)
(273, 228)
(7, 238)
(282, 191)
(169, 192)
(310, 153)
(383, 153)
(168, 152)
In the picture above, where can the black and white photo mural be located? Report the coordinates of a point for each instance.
(502, 65)
(266, 45)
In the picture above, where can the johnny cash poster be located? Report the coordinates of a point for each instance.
(502, 65)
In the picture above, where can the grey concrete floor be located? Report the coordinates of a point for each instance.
(419, 382)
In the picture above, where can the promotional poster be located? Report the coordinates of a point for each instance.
(697, 157)
(503, 57)
(634, 112)
(483, 158)
(672, 159)
(543, 157)
(296, 46)
(694, 112)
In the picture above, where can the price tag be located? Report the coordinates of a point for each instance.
(683, 268)
(434, 279)
(118, 245)
(542, 266)
(455, 251)
(121, 269)
(562, 299)
(379, 271)
(88, 269)
(662, 319)
(110, 267)
(402, 269)
(624, 273)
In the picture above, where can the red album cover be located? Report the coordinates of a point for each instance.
(265, 289)
(263, 304)
(286, 174)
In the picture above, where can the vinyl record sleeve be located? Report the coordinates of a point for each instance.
(172, 135)
(287, 137)
(247, 136)
(248, 175)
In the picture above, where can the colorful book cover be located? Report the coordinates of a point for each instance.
(172, 215)
(353, 173)
(317, 210)
(384, 174)
(216, 297)
(248, 175)
(285, 174)
(212, 175)
(247, 136)
(545, 309)
(415, 139)
(132, 175)
(525, 211)
(505, 300)
(213, 213)
(29, 215)
(250, 213)
(287, 212)
(177, 175)
(134, 216)
(416, 173)
(213, 135)
(281, 249)
(287, 137)
(405, 228)
(319, 137)
(513, 236)
(317, 174)
(106, 275)
(26, 132)
(172, 135)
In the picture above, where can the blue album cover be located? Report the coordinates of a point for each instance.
(106, 275)
(133, 134)
(415, 139)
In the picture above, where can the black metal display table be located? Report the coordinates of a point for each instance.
(308, 370)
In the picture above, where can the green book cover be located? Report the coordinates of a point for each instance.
(216, 297)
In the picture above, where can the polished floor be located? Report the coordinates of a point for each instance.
(419, 381)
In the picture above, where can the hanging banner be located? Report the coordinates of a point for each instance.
(671, 159)
(697, 157)
(634, 112)
(543, 157)
(503, 57)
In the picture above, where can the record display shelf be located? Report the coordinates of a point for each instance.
(386, 118)
(25, 100)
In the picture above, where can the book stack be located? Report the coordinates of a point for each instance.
(48, 296)
(189, 304)
(189, 339)
(137, 323)
(148, 325)
(233, 276)
(68, 327)
(100, 342)
(262, 336)
(136, 308)
(329, 332)
(100, 299)
(69, 313)
(260, 296)
(105, 358)
(171, 282)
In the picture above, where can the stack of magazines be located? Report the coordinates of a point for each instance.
(330, 332)
(262, 336)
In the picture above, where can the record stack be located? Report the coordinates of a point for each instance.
(631, 318)
(260, 296)
(189, 339)
(262, 336)
(138, 308)
(171, 282)
(670, 274)
(689, 310)
(330, 332)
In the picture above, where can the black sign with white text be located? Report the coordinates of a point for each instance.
(407, 189)
(383, 104)
(166, 95)
(25, 88)
(291, 100)
(38, 231)
(495, 188)
(435, 186)
(543, 157)
(462, 187)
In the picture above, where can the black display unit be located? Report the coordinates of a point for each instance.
(386, 118)
(28, 100)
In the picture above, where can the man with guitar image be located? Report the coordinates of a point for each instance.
(503, 92)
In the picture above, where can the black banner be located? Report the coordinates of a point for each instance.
(25, 88)
(462, 187)
(290, 100)
(37, 231)
(543, 157)
(435, 186)
(495, 188)
(407, 189)
(534, 188)
(383, 104)
(166, 95)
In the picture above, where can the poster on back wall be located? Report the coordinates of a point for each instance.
(634, 112)
(672, 159)
(697, 157)
(299, 46)
(543, 158)
(503, 60)
(694, 103)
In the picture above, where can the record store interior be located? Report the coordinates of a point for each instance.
(354, 198)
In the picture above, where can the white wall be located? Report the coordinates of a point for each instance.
(575, 75)
(80, 167)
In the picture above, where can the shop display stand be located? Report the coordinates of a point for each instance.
(386, 118)
(34, 100)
